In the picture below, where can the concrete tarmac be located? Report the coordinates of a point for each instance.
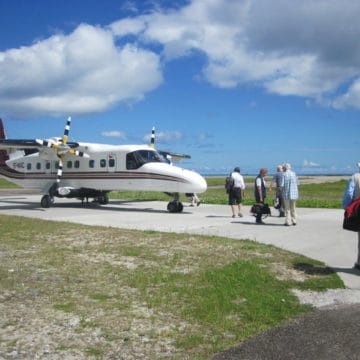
(318, 235)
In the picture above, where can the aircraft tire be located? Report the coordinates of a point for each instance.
(46, 201)
(103, 199)
(180, 207)
(175, 207)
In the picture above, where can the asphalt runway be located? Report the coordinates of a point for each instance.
(318, 235)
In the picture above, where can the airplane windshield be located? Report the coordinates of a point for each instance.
(138, 158)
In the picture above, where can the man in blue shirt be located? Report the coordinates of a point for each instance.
(290, 193)
(352, 192)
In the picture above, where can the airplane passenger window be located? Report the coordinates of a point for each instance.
(111, 162)
(48, 165)
(69, 164)
(38, 166)
(91, 163)
(77, 164)
(103, 163)
(28, 166)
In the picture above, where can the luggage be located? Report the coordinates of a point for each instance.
(352, 216)
(260, 208)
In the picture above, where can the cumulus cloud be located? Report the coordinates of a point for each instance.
(307, 163)
(307, 48)
(165, 137)
(114, 134)
(78, 73)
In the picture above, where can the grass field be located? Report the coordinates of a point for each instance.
(73, 291)
(321, 195)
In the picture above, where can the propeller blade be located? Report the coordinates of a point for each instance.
(59, 170)
(45, 143)
(78, 153)
(152, 140)
(66, 131)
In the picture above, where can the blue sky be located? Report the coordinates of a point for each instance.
(248, 83)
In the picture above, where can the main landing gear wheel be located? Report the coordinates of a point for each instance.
(175, 207)
(103, 199)
(46, 201)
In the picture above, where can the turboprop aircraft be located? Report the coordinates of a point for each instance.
(61, 168)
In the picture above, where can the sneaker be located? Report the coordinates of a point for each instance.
(233, 216)
(286, 224)
(198, 203)
(240, 214)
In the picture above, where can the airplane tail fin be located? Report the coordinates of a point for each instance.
(3, 154)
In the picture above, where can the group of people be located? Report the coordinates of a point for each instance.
(287, 193)
(286, 183)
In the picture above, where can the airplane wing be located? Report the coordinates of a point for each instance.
(175, 157)
(22, 144)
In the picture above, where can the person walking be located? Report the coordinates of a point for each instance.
(290, 193)
(237, 192)
(260, 191)
(276, 182)
(352, 192)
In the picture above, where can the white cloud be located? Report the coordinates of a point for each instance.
(303, 48)
(114, 134)
(165, 137)
(307, 163)
(78, 73)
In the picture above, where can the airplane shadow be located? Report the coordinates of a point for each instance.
(254, 223)
(119, 206)
(17, 203)
(351, 271)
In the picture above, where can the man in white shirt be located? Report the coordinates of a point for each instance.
(237, 192)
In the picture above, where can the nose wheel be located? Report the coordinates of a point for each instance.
(175, 206)
(46, 201)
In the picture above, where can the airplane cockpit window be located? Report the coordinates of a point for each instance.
(138, 158)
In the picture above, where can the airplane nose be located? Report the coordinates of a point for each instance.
(198, 183)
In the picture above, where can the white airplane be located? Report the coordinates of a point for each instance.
(60, 168)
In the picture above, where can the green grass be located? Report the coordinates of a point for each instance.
(323, 195)
(144, 291)
(4, 184)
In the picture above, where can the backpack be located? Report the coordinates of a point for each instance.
(229, 183)
(352, 216)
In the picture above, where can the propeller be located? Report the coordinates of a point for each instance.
(62, 148)
(152, 139)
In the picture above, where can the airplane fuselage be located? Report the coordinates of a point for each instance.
(109, 167)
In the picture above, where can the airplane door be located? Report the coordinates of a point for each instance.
(111, 163)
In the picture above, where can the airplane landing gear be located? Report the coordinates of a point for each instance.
(175, 206)
(46, 201)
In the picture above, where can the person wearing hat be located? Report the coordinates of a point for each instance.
(237, 192)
